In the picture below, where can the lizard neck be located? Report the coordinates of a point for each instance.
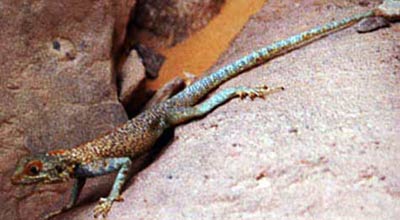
(81, 154)
(88, 152)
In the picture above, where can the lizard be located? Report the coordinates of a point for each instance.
(115, 151)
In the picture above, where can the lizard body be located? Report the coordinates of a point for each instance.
(116, 150)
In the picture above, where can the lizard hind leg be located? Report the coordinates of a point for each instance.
(183, 114)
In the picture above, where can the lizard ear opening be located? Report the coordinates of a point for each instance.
(59, 169)
(33, 168)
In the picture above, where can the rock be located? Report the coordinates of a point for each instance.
(243, 160)
(390, 9)
(326, 147)
(57, 87)
(151, 59)
(175, 19)
(371, 24)
(364, 3)
(131, 76)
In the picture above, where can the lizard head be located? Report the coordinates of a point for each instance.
(41, 168)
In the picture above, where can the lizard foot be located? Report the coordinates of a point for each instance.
(260, 91)
(104, 206)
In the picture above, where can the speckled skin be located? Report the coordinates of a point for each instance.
(116, 150)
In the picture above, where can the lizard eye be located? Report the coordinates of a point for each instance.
(33, 168)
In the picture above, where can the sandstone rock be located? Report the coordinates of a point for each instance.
(371, 24)
(175, 19)
(325, 148)
(57, 87)
(131, 76)
(151, 60)
(390, 9)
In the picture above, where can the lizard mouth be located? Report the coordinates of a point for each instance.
(19, 180)
(16, 180)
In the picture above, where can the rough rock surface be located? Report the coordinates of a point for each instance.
(390, 9)
(57, 87)
(325, 148)
(132, 74)
(371, 24)
(175, 19)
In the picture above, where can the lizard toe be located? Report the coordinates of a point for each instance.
(103, 207)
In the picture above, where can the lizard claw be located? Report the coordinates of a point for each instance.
(259, 91)
(252, 93)
(104, 206)
(241, 94)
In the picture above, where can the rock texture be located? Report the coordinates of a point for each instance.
(131, 76)
(325, 148)
(390, 9)
(57, 87)
(371, 24)
(175, 19)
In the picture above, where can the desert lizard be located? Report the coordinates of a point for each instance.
(115, 151)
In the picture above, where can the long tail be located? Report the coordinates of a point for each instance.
(192, 94)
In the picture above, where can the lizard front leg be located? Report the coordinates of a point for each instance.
(102, 167)
(105, 204)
